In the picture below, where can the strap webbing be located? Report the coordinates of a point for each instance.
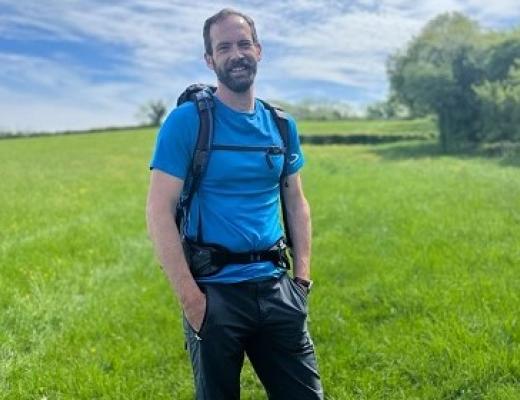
(282, 123)
(204, 103)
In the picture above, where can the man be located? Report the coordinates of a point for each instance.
(250, 308)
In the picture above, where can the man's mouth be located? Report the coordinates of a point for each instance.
(238, 69)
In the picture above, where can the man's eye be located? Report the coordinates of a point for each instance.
(245, 45)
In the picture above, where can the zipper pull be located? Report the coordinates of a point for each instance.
(268, 159)
(273, 150)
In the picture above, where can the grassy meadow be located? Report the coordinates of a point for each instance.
(418, 127)
(415, 262)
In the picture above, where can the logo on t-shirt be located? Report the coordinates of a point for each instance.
(294, 157)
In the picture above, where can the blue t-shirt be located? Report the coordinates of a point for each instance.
(237, 203)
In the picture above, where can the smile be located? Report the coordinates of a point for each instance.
(238, 69)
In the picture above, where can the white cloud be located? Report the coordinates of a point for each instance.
(348, 49)
(337, 42)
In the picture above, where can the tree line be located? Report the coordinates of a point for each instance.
(468, 77)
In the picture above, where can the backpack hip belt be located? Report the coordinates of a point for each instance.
(206, 259)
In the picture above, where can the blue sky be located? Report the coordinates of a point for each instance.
(73, 64)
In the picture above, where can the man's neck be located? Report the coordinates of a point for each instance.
(243, 102)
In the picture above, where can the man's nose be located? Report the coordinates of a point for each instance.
(237, 53)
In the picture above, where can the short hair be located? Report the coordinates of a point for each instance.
(221, 15)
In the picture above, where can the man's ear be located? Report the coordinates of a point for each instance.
(259, 50)
(209, 61)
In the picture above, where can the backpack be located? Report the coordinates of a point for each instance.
(202, 96)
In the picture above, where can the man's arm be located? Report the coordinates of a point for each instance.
(163, 196)
(299, 221)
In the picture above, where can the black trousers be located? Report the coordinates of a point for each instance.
(265, 320)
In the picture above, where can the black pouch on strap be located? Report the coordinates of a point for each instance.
(200, 258)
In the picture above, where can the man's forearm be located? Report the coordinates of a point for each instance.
(300, 226)
(165, 236)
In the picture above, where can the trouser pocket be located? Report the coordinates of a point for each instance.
(301, 291)
(294, 293)
(187, 326)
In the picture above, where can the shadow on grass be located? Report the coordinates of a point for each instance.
(504, 155)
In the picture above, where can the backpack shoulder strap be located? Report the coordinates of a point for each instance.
(204, 102)
(282, 123)
(202, 96)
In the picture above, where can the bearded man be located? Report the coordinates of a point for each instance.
(249, 308)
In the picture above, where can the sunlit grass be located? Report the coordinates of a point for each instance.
(418, 127)
(415, 260)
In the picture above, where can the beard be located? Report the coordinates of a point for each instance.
(237, 82)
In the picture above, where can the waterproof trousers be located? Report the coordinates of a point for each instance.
(266, 320)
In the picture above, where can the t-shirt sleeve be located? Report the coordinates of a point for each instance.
(175, 142)
(295, 153)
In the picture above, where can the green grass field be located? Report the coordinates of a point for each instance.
(415, 260)
(418, 127)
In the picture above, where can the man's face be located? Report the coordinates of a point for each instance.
(234, 55)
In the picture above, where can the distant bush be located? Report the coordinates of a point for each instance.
(317, 111)
(388, 109)
(152, 112)
(108, 129)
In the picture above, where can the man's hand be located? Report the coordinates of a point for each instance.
(304, 284)
(195, 310)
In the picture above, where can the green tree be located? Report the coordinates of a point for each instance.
(499, 94)
(436, 74)
(499, 103)
(501, 53)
